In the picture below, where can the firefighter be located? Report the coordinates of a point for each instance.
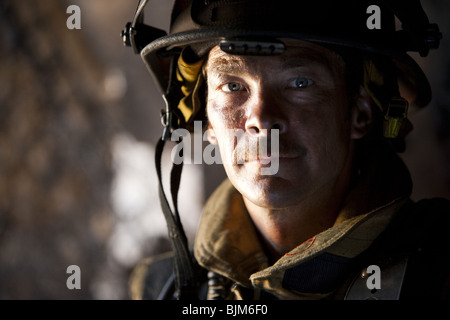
(325, 86)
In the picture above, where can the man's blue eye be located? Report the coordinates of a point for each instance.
(301, 82)
(232, 87)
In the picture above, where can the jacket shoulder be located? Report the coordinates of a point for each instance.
(428, 272)
(150, 276)
(434, 206)
(432, 216)
(417, 242)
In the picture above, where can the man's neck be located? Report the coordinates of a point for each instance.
(284, 229)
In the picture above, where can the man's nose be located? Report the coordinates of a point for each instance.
(265, 113)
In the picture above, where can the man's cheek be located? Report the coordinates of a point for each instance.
(228, 115)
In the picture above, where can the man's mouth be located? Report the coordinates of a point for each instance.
(245, 153)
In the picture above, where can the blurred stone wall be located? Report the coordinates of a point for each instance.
(79, 116)
(55, 166)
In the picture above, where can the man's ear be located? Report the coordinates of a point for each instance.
(362, 115)
(211, 135)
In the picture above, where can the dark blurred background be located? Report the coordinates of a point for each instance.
(79, 117)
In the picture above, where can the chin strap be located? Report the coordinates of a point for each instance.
(184, 263)
(185, 275)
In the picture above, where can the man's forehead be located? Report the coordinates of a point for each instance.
(297, 53)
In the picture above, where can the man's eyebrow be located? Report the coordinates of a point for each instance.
(226, 64)
(307, 57)
(294, 63)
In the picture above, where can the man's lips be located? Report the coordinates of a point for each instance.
(269, 158)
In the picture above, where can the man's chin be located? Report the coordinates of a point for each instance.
(269, 191)
(267, 168)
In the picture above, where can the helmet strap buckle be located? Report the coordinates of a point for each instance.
(166, 119)
(396, 112)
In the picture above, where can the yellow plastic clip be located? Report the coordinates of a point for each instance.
(395, 114)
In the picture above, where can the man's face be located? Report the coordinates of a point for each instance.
(302, 93)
